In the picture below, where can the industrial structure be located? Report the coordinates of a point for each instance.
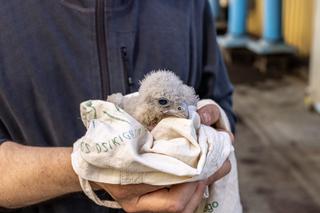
(277, 32)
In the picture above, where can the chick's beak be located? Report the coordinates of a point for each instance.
(180, 110)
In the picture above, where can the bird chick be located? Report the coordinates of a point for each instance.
(161, 94)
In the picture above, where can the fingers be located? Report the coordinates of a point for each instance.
(174, 199)
(184, 197)
(219, 124)
(209, 114)
(223, 171)
(141, 189)
(196, 199)
(120, 192)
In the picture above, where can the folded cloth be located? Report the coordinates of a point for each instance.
(117, 149)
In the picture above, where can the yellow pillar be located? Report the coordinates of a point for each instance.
(297, 18)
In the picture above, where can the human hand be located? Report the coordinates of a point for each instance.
(147, 198)
(220, 173)
(210, 115)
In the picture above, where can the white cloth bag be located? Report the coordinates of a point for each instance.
(117, 149)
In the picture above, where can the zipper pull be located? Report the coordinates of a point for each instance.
(124, 56)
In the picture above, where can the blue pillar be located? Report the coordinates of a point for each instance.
(215, 8)
(237, 17)
(272, 28)
(237, 25)
(271, 42)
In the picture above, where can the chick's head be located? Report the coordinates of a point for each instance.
(163, 94)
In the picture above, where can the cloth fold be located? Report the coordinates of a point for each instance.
(117, 149)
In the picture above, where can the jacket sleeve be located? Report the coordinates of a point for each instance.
(4, 135)
(215, 83)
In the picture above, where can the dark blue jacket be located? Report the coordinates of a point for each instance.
(56, 54)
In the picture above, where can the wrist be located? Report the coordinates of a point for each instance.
(69, 180)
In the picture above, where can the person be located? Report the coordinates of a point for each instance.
(56, 54)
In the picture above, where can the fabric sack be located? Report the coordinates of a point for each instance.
(117, 149)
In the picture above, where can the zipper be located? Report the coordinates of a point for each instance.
(102, 47)
(125, 62)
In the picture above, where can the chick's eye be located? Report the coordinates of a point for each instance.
(163, 102)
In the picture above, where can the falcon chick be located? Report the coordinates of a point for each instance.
(161, 94)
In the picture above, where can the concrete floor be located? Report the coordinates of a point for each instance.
(278, 147)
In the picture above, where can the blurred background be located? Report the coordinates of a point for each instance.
(272, 51)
